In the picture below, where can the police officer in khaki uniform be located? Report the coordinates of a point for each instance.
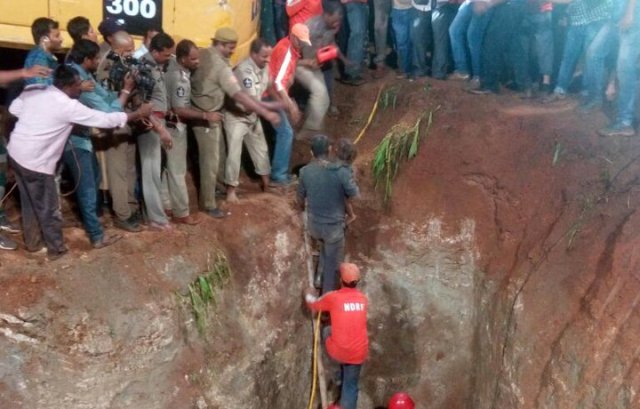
(239, 125)
(150, 142)
(209, 84)
(178, 79)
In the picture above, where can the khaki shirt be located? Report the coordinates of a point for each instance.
(158, 99)
(254, 81)
(212, 80)
(178, 81)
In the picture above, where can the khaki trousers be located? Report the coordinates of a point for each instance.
(176, 195)
(249, 131)
(121, 173)
(313, 81)
(212, 155)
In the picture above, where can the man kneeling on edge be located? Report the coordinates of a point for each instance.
(348, 342)
(45, 119)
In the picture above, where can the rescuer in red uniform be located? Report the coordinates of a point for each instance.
(348, 343)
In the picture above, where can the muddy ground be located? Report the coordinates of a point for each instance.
(501, 275)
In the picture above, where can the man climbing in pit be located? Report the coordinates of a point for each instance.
(347, 342)
(326, 189)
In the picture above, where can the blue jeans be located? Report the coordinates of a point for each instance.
(467, 34)
(595, 61)
(627, 75)
(578, 39)
(401, 24)
(349, 392)
(421, 40)
(86, 175)
(332, 253)
(282, 150)
(358, 19)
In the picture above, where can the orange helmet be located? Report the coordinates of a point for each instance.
(401, 400)
(349, 272)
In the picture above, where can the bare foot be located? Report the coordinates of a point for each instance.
(232, 197)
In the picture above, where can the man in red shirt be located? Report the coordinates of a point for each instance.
(282, 67)
(348, 343)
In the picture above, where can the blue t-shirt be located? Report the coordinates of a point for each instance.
(38, 56)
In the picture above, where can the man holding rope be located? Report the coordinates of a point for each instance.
(348, 342)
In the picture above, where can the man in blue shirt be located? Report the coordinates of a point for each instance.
(327, 187)
(48, 40)
(79, 155)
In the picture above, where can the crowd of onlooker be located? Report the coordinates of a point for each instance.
(536, 47)
(156, 96)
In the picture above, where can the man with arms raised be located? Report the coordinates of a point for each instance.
(45, 119)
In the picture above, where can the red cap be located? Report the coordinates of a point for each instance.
(401, 400)
(349, 272)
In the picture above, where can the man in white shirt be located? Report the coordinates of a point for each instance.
(45, 119)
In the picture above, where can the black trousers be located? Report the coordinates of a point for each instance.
(442, 60)
(41, 216)
(500, 45)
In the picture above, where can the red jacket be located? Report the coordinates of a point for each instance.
(349, 342)
(299, 11)
(282, 65)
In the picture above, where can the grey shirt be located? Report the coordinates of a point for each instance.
(178, 80)
(326, 186)
(159, 98)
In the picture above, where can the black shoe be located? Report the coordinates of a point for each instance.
(217, 213)
(353, 81)
(7, 244)
(55, 256)
(130, 225)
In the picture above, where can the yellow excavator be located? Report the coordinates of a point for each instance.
(196, 20)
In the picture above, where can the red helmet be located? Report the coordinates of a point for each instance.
(401, 400)
(334, 406)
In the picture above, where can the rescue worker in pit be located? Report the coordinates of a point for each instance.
(241, 126)
(325, 189)
(178, 79)
(209, 84)
(348, 342)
